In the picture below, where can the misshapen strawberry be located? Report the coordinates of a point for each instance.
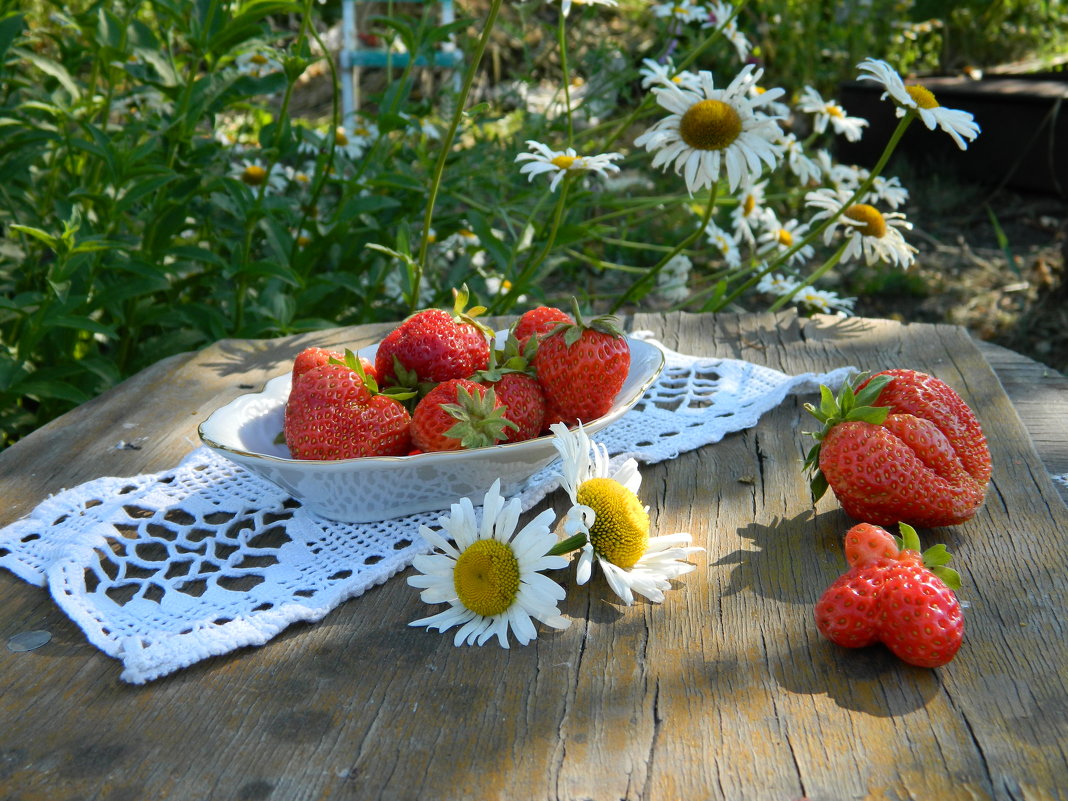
(896, 596)
(539, 321)
(510, 375)
(456, 415)
(435, 345)
(581, 367)
(317, 357)
(901, 446)
(335, 411)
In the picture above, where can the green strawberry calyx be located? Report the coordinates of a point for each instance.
(512, 358)
(352, 361)
(605, 323)
(480, 422)
(461, 314)
(934, 558)
(850, 405)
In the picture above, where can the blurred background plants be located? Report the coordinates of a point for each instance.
(164, 186)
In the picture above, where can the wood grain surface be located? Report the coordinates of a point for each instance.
(724, 691)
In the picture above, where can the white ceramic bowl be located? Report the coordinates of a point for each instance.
(381, 487)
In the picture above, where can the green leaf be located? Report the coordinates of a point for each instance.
(141, 189)
(868, 414)
(53, 68)
(828, 405)
(11, 26)
(37, 233)
(937, 555)
(270, 269)
(81, 323)
(869, 395)
(910, 540)
(818, 486)
(949, 576)
(43, 389)
(567, 546)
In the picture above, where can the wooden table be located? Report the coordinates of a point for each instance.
(725, 691)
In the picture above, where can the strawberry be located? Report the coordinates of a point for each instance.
(901, 445)
(335, 411)
(512, 378)
(434, 345)
(581, 367)
(458, 414)
(896, 596)
(539, 321)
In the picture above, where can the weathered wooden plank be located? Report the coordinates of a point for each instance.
(725, 691)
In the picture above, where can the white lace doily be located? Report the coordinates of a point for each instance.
(166, 569)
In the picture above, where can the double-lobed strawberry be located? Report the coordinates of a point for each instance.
(335, 411)
(581, 367)
(900, 446)
(895, 595)
(458, 414)
(512, 378)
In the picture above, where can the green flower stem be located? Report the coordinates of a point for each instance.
(640, 287)
(509, 299)
(450, 135)
(861, 190)
(561, 40)
(811, 279)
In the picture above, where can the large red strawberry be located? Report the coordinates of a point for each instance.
(901, 445)
(435, 345)
(458, 414)
(581, 367)
(896, 596)
(539, 321)
(335, 411)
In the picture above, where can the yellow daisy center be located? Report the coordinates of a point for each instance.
(749, 205)
(922, 96)
(259, 58)
(340, 138)
(874, 224)
(486, 577)
(786, 239)
(303, 241)
(710, 125)
(834, 111)
(563, 162)
(620, 532)
(254, 175)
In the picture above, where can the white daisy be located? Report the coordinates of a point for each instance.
(354, 143)
(800, 164)
(711, 130)
(888, 191)
(258, 63)
(301, 176)
(870, 233)
(458, 243)
(777, 239)
(829, 112)
(489, 575)
(725, 243)
(824, 300)
(566, 4)
(673, 278)
(920, 100)
(254, 173)
(750, 213)
(776, 284)
(653, 73)
(681, 10)
(561, 162)
(616, 524)
(722, 15)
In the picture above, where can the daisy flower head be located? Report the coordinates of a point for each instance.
(489, 574)
(254, 174)
(258, 63)
(824, 300)
(711, 131)
(653, 73)
(681, 10)
(565, 6)
(673, 279)
(920, 100)
(607, 511)
(776, 284)
(722, 15)
(870, 234)
(725, 243)
(827, 112)
(779, 238)
(750, 213)
(559, 163)
(806, 168)
(888, 191)
(353, 143)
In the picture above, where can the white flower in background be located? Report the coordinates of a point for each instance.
(653, 73)
(825, 301)
(672, 282)
(781, 237)
(607, 511)
(774, 108)
(254, 173)
(459, 243)
(682, 10)
(726, 244)
(143, 102)
(807, 169)
(828, 112)
(488, 574)
(711, 131)
(258, 63)
(777, 284)
(565, 6)
(301, 176)
(560, 162)
(310, 143)
(888, 191)
(958, 124)
(750, 213)
(354, 143)
(421, 126)
(870, 234)
(722, 15)
(838, 175)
